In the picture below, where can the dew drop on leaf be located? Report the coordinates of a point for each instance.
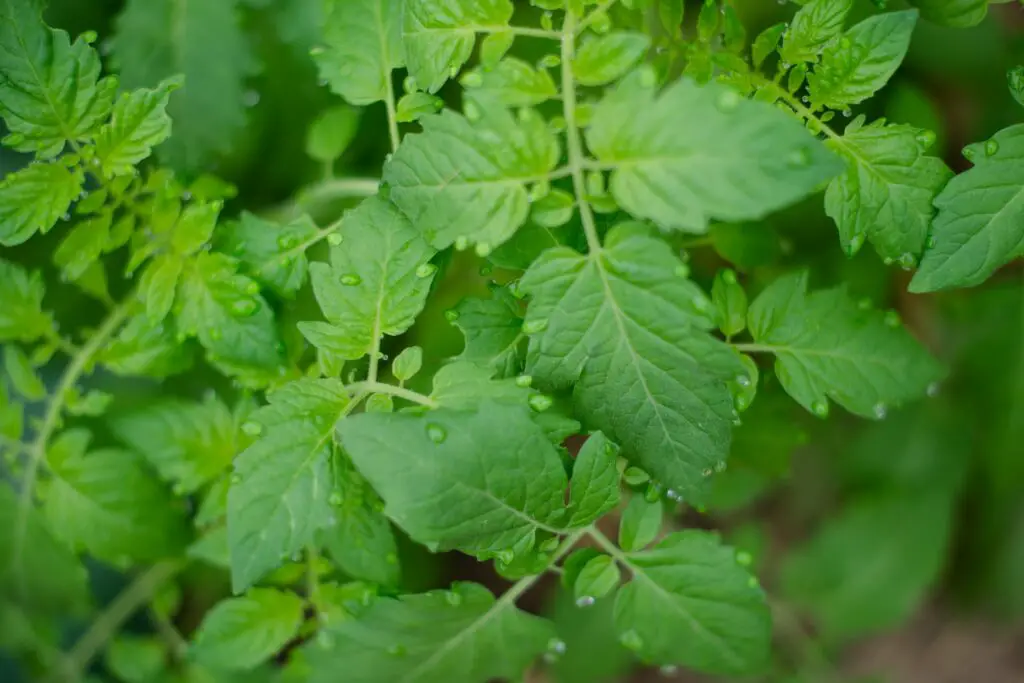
(991, 147)
(557, 646)
(585, 601)
(907, 260)
(244, 308)
(453, 598)
(451, 315)
(856, 242)
(236, 479)
(707, 472)
(436, 433)
(461, 243)
(968, 153)
(799, 158)
(653, 492)
(933, 389)
(524, 381)
(926, 138)
(535, 326)
(350, 279)
(426, 270)
(631, 640)
(879, 411)
(668, 670)
(483, 249)
(540, 402)
(743, 380)
(744, 558)
(820, 408)
(335, 239)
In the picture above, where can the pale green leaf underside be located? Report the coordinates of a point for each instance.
(376, 284)
(467, 179)
(279, 498)
(828, 347)
(735, 159)
(438, 35)
(980, 222)
(460, 635)
(887, 190)
(632, 331)
(690, 603)
(362, 44)
(477, 480)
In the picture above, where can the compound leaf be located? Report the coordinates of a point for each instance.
(51, 93)
(886, 193)
(463, 634)
(629, 325)
(478, 480)
(737, 160)
(376, 284)
(690, 603)
(463, 179)
(439, 35)
(828, 347)
(980, 221)
(362, 44)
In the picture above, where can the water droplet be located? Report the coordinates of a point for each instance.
(669, 670)
(744, 558)
(335, 499)
(426, 270)
(243, 308)
(700, 303)
(729, 276)
(585, 601)
(471, 111)
(879, 411)
(88, 36)
(535, 326)
(524, 381)
(674, 495)
(847, 112)
(350, 279)
(334, 239)
(451, 315)
(968, 153)
(720, 466)
(557, 646)
(66, 217)
(540, 402)
(251, 98)
(799, 157)
(483, 249)
(631, 640)
(461, 243)
(743, 380)
(931, 242)
(236, 479)
(707, 472)
(728, 100)
(933, 389)
(285, 242)
(452, 598)
(252, 289)
(682, 271)
(397, 650)
(892, 319)
(991, 147)
(907, 260)
(409, 84)
(926, 139)
(856, 242)
(820, 408)
(436, 433)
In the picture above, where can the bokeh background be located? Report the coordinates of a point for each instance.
(893, 550)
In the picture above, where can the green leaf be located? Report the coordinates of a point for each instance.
(438, 474)
(242, 633)
(143, 347)
(493, 331)
(594, 489)
(736, 160)
(1015, 82)
(45, 575)
(22, 375)
(135, 659)
(598, 577)
(690, 603)
(730, 302)
(159, 284)
(332, 132)
(886, 193)
(828, 347)
(980, 222)
(230, 318)
(746, 245)
(954, 13)
(33, 199)
(407, 363)
(813, 26)
(855, 580)
(279, 496)
(83, 246)
(765, 43)
(362, 44)
(415, 105)
(270, 252)
(857, 65)
(360, 539)
(209, 111)
(51, 93)
(109, 504)
(376, 284)
(627, 326)
(465, 176)
(640, 523)
(189, 444)
(603, 59)
(439, 35)
(512, 82)
(138, 123)
(460, 635)
(22, 317)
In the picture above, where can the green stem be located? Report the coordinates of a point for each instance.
(51, 421)
(594, 14)
(176, 644)
(389, 103)
(337, 188)
(754, 348)
(375, 387)
(574, 146)
(109, 622)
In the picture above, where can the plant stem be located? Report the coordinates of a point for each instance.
(389, 103)
(754, 348)
(574, 147)
(51, 421)
(594, 14)
(176, 644)
(375, 387)
(109, 622)
(337, 188)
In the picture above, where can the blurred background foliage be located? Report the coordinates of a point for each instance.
(856, 526)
